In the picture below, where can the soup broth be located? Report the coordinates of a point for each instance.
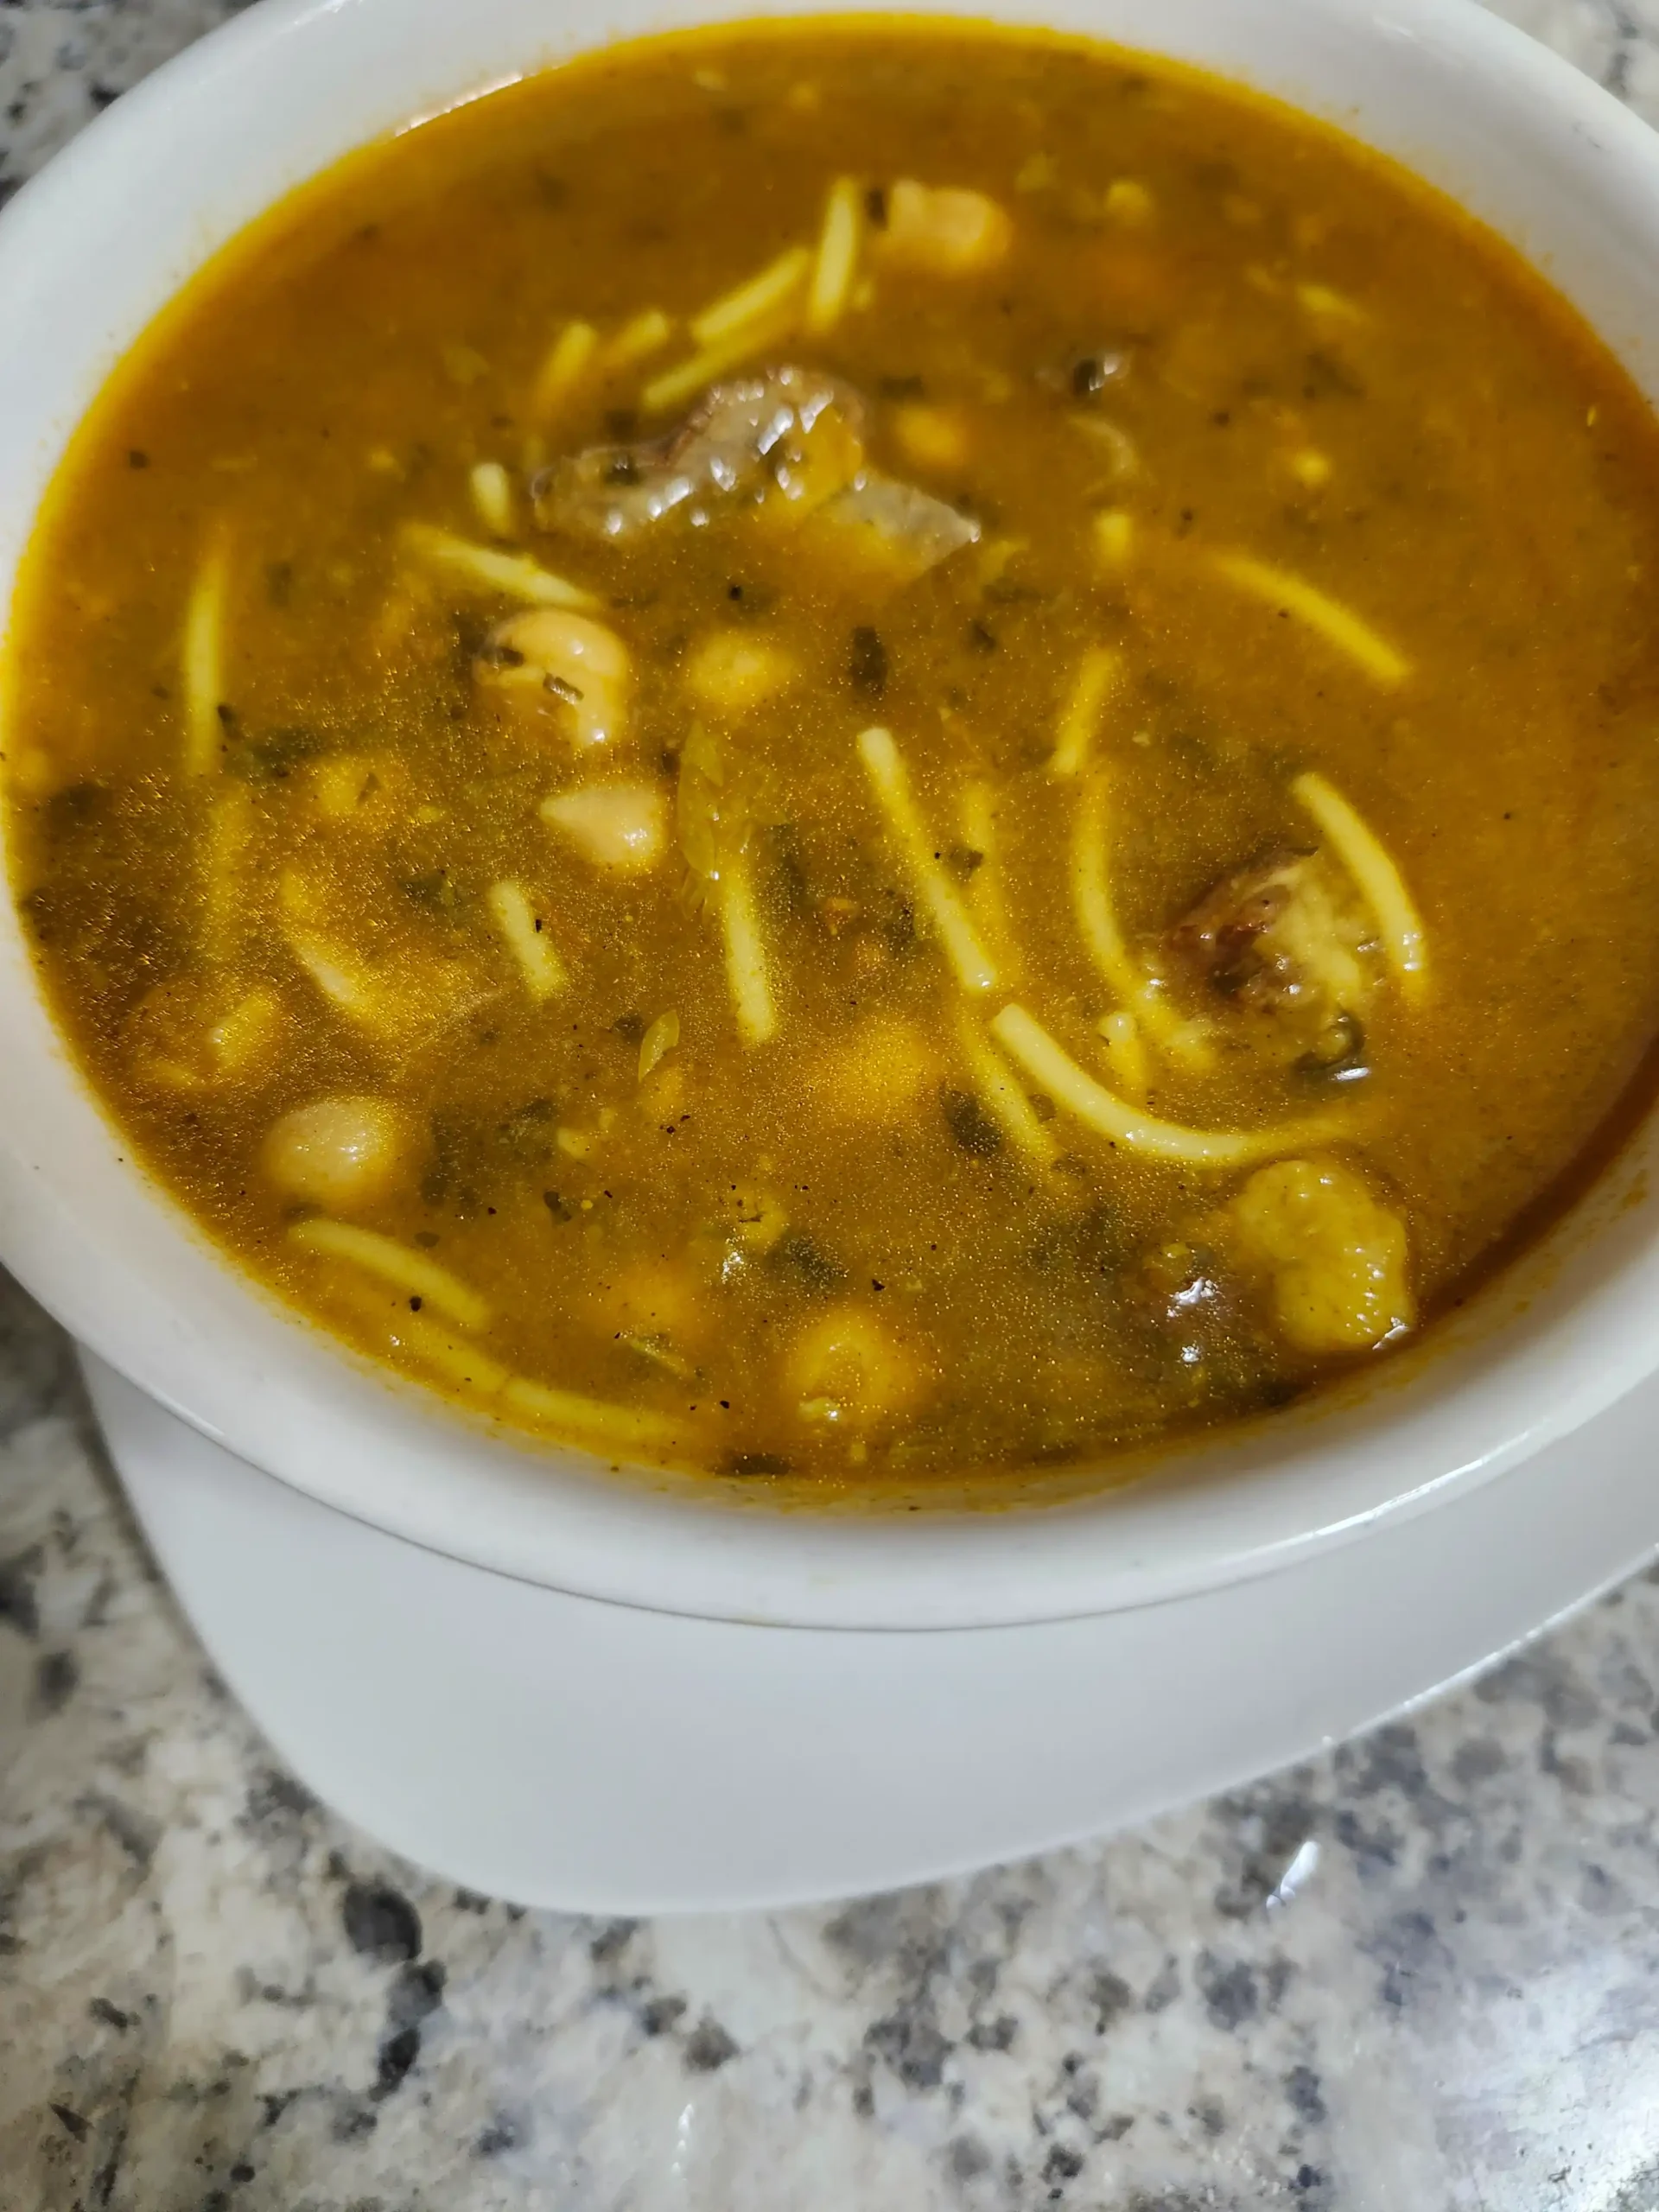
(854, 752)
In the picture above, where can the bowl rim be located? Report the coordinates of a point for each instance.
(1551, 1343)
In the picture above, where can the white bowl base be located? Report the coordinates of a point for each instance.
(563, 1752)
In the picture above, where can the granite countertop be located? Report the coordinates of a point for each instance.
(215, 1997)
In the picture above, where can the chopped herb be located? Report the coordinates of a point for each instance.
(271, 756)
(970, 1124)
(747, 1463)
(1327, 376)
(869, 661)
(70, 810)
(436, 889)
(805, 1265)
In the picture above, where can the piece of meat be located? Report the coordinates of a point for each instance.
(789, 443)
(1282, 938)
(1274, 932)
(745, 439)
(1227, 935)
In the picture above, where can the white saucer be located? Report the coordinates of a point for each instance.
(558, 1751)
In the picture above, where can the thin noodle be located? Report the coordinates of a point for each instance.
(1001, 1094)
(755, 300)
(1380, 881)
(1097, 673)
(567, 363)
(985, 901)
(513, 574)
(637, 341)
(678, 384)
(618, 1425)
(976, 970)
(395, 1263)
(1336, 624)
(598, 1425)
(348, 990)
(201, 654)
(1091, 901)
(746, 957)
(1126, 1050)
(528, 942)
(491, 490)
(230, 826)
(1113, 1118)
(837, 257)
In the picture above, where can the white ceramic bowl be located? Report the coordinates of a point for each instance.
(95, 247)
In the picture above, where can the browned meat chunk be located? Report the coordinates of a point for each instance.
(1230, 936)
(744, 440)
(1283, 938)
(790, 439)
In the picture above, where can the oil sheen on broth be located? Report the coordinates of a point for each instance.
(855, 753)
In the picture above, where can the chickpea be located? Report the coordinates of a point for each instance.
(944, 231)
(937, 438)
(340, 1153)
(622, 826)
(552, 659)
(850, 1369)
(731, 675)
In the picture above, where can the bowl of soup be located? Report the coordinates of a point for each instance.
(841, 820)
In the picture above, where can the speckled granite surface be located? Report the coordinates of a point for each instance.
(1420, 1976)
